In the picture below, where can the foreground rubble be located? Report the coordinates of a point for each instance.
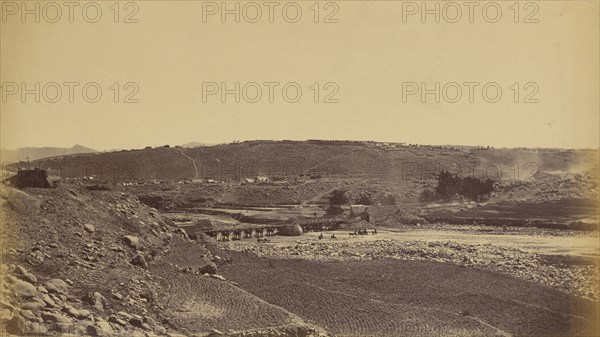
(80, 262)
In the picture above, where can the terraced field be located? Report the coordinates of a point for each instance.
(392, 298)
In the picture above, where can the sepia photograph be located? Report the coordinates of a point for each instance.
(302, 168)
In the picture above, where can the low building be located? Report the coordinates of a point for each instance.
(30, 178)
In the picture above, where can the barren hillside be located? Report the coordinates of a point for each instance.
(317, 158)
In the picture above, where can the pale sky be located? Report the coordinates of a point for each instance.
(370, 54)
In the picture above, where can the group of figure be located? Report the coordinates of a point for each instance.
(260, 239)
(355, 233)
(362, 232)
(333, 237)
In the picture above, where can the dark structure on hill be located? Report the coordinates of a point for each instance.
(30, 178)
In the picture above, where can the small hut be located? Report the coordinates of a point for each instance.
(291, 230)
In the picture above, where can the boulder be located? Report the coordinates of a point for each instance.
(209, 268)
(6, 314)
(132, 241)
(16, 326)
(50, 317)
(80, 314)
(25, 275)
(89, 228)
(34, 307)
(136, 322)
(139, 260)
(5, 305)
(24, 289)
(159, 329)
(64, 329)
(49, 301)
(57, 286)
(37, 329)
(124, 315)
(101, 328)
(96, 300)
(115, 319)
(151, 323)
(27, 314)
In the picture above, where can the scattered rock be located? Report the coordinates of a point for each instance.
(215, 333)
(49, 317)
(218, 277)
(62, 328)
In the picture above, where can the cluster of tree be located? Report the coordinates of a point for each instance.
(450, 185)
(374, 198)
(336, 200)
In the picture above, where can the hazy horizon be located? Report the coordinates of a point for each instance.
(165, 63)
(280, 140)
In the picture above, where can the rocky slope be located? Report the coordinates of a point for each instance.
(95, 263)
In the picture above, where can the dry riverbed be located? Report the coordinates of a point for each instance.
(568, 262)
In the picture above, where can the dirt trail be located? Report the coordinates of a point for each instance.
(193, 162)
